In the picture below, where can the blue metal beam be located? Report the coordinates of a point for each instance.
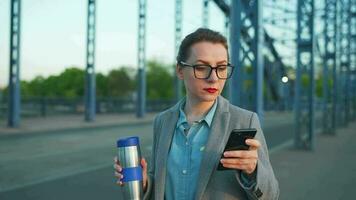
(141, 56)
(178, 39)
(224, 6)
(257, 64)
(14, 76)
(244, 37)
(329, 62)
(304, 97)
(235, 45)
(227, 88)
(344, 61)
(335, 98)
(206, 13)
(353, 59)
(90, 107)
(348, 71)
(251, 28)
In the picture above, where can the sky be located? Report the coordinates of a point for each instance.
(53, 33)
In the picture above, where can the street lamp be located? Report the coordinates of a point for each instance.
(284, 79)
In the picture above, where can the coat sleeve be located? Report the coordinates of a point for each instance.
(266, 185)
(151, 165)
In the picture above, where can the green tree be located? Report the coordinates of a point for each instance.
(36, 87)
(102, 89)
(71, 83)
(120, 84)
(24, 88)
(159, 80)
(50, 87)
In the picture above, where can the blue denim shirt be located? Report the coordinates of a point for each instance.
(185, 155)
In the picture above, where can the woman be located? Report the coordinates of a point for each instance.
(190, 137)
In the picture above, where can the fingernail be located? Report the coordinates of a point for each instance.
(226, 154)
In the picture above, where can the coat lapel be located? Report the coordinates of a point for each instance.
(217, 138)
(165, 140)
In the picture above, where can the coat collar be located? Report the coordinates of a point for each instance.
(168, 126)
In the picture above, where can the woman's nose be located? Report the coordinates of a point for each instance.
(213, 75)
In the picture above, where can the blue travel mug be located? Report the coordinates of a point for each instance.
(129, 155)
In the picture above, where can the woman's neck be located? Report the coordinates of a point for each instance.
(195, 110)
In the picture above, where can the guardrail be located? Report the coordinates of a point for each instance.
(35, 106)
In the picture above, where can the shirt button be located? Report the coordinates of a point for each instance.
(184, 171)
(186, 143)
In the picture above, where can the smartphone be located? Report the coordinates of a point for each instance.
(236, 141)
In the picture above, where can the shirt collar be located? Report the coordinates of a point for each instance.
(208, 118)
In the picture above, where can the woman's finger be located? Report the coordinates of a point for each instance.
(241, 154)
(117, 167)
(118, 175)
(253, 143)
(120, 183)
(237, 161)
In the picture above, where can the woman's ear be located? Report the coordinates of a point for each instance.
(179, 71)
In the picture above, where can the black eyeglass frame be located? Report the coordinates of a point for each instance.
(184, 64)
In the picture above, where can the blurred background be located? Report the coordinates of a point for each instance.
(77, 75)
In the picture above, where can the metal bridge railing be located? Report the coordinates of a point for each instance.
(37, 106)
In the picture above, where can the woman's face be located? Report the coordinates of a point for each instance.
(203, 90)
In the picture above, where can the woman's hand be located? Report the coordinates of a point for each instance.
(118, 174)
(244, 160)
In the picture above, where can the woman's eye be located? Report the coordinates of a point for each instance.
(200, 68)
(222, 68)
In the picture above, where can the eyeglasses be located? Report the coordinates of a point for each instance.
(203, 71)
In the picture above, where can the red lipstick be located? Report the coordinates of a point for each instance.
(211, 90)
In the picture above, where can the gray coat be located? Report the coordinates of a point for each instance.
(212, 184)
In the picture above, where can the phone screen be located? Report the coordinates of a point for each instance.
(236, 141)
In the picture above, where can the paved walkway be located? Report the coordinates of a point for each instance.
(65, 122)
(328, 172)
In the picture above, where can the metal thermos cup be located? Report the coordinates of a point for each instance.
(129, 155)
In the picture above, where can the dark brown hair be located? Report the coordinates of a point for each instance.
(200, 35)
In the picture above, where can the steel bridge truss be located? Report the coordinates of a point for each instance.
(329, 67)
(14, 76)
(304, 95)
(141, 57)
(90, 80)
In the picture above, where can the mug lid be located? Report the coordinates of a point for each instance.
(130, 141)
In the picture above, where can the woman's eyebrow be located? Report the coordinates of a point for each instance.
(202, 61)
(220, 62)
(205, 62)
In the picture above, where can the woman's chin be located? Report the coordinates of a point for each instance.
(208, 98)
